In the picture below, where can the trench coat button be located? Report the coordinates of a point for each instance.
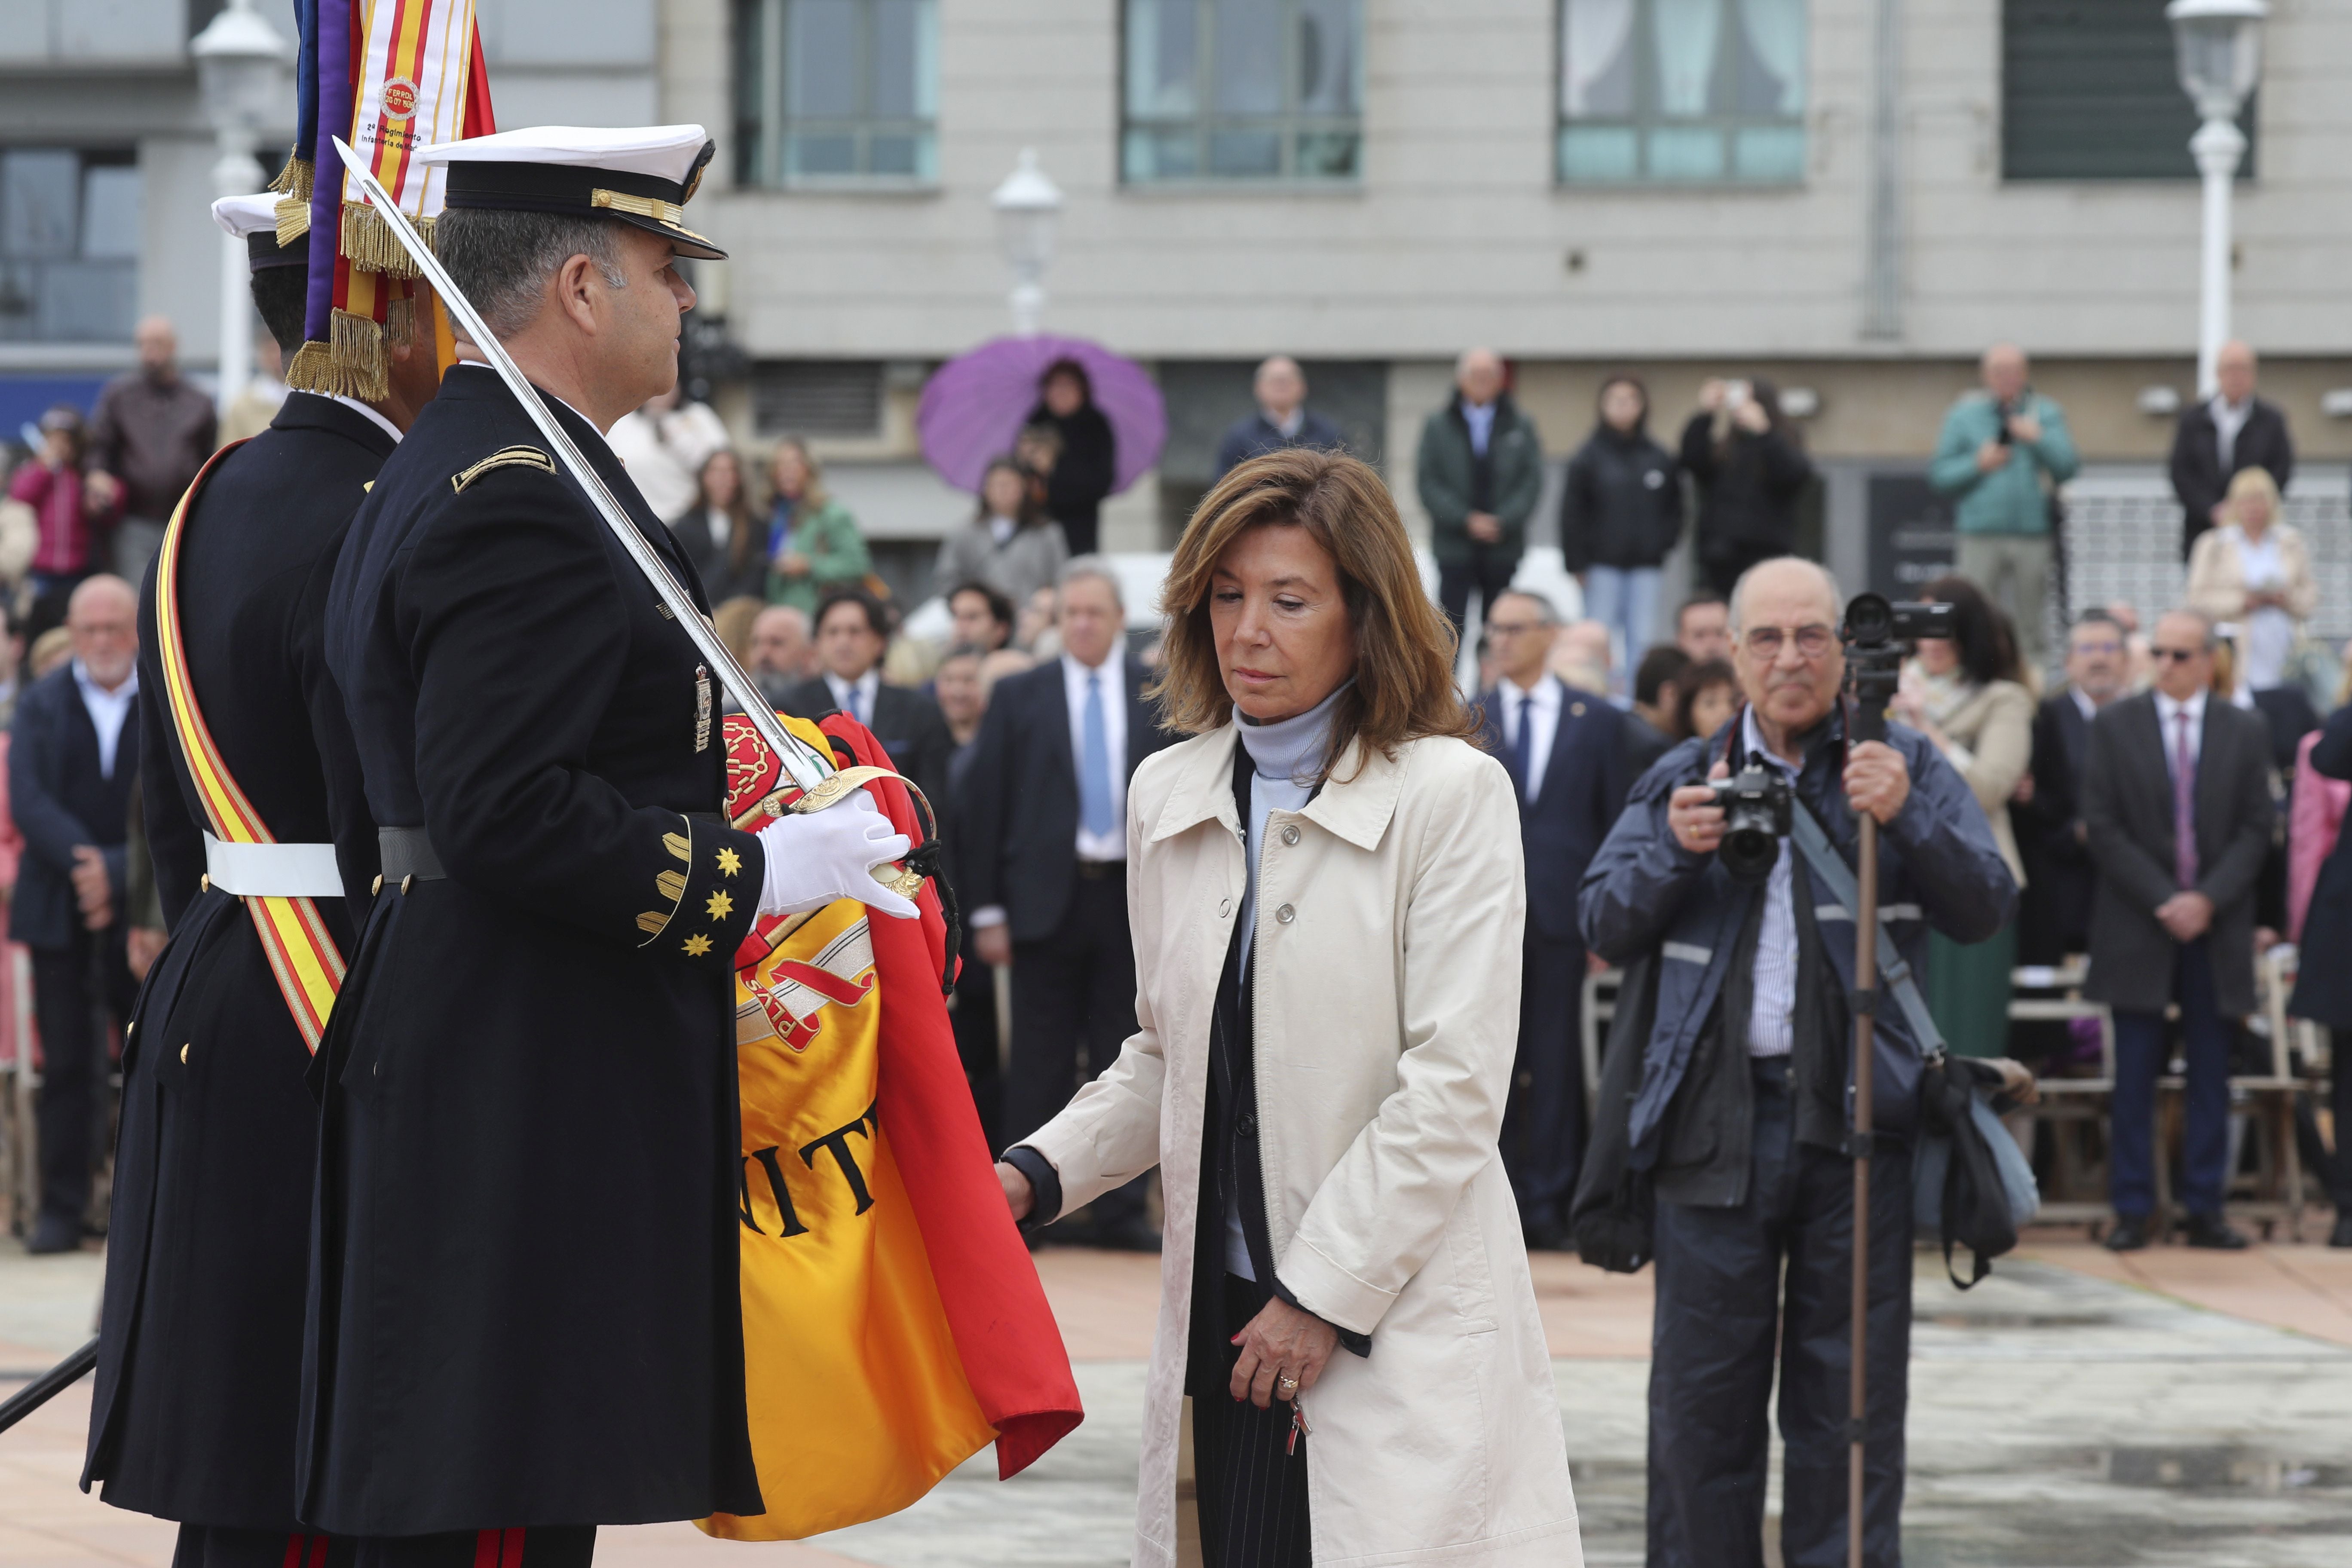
(183, 1054)
(1290, 834)
(1224, 908)
(1286, 914)
(1245, 1125)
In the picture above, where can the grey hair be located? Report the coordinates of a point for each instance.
(1828, 584)
(2212, 628)
(1544, 611)
(1099, 568)
(503, 259)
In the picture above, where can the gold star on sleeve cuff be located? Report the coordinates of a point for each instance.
(720, 905)
(729, 862)
(697, 945)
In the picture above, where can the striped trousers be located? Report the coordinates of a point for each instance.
(1253, 1483)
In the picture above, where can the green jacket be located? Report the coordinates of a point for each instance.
(2010, 498)
(1442, 473)
(836, 554)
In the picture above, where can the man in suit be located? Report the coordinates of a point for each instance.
(2177, 799)
(852, 632)
(2048, 815)
(1045, 862)
(73, 752)
(2231, 430)
(1564, 751)
(1281, 419)
(210, 1241)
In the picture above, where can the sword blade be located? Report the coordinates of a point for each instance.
(807, 767)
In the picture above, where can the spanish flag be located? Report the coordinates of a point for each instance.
(893, 1323)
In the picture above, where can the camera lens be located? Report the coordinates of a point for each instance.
(1869, 618)
(1750, 852)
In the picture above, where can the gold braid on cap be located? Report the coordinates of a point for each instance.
(669, 215)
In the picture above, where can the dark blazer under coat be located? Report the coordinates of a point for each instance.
(2127, 808)
(42, 909)
(2197, 480)
(907, 723)
(1584, 785)
(526, 1308)
(200, 1338)
(2322, 989)
(713, 562)
(1020, 809)
(2056, 919)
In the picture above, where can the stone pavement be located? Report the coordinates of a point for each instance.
(2078, 1410)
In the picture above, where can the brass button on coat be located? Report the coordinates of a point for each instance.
(1286, 914)
(1290, 834)
(183, 1055)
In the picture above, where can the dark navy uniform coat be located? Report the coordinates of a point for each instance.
(200, 1346)
(525, 1306)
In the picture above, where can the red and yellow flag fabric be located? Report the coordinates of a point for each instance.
(884, 1283)
(302, 954)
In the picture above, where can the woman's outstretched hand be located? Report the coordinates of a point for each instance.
(1019, 1195)
(1281, 1341)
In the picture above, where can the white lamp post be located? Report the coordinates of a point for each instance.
(240, 69)
(2220, 44)
(1028, 207)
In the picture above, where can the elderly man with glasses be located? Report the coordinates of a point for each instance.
(1736, 998)
(2177, 800)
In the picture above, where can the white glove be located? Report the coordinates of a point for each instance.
(831, 854)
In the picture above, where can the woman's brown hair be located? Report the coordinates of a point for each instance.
(740, 523)
(1404, 687)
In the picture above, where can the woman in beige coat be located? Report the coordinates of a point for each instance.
(1326, 900)
(2255, 571)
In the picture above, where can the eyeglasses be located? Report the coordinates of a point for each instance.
(2177, 654)
(2095, 650)
(1513, 629)
(1764, 643)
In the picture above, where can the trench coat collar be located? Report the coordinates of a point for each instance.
(1356, 804)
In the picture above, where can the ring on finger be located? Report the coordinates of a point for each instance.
(1286, 1385)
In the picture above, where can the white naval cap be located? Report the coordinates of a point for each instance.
(254, 219)
(644, 175)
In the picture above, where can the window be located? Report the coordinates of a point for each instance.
(68, 245)
(1244, 89)
(1666, 91)
(836, 90)
(817, 397)
(2089, 90)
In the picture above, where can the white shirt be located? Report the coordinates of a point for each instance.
(1771, 1017)
(2082, 703)
(1480, 417)
(2167, 723)
(1001, 529)
(2227, 422)
(1543, 720)
(106, 711)
(2269, 631)
(722, 527)
(386, 426)
(1111, 846)
(863, 689)
(1289, 426)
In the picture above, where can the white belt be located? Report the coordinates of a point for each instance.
(274, 870)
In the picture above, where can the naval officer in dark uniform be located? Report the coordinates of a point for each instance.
(525, 1315)
(200, 1341)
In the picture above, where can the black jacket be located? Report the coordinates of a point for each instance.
(1748, 492)
(526, 1306)
(2197, 478)
(1083, 474)
(1623, 502)
(907, 723)
(1256, 436)
(42, 910)
(2056, 921)
(2322, 989)
(1019, 807)
(2127, 807)
(1584, 783)
(200, 1341)
(711, 562)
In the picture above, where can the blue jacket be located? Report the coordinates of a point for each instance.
(1938, 867)
(1583, 787)
(43, 912)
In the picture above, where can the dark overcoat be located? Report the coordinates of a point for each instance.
(2127, 810)
(1584, 786)
(200, 1338)
(42, 911)
(2323, 987)
(524, 1305)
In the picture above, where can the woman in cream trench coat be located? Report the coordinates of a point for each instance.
(1386, 933)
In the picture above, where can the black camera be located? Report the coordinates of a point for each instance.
(1757, 809)
(1877, 633)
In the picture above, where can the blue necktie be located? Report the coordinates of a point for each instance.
(1523, 750)
(1095, 814)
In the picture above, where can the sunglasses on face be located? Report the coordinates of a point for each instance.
(2175, 655)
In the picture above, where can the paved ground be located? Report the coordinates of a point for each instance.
(2078, 1411)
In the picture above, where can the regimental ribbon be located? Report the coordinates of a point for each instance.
(302, 954)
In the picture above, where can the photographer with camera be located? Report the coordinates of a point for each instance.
(1740, 964)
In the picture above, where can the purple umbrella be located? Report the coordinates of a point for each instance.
(973, 406)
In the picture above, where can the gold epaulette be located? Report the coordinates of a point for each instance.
(506, 457)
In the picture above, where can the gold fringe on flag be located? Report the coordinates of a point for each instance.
(296, 179)
(399, 324)
(367, 242)
(312, 369)
(351, 363)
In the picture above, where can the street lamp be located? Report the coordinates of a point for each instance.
(2220, 49)
(1028, 207)
(240, 71)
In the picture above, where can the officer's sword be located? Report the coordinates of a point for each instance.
(49, 1385)
(807, 767)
